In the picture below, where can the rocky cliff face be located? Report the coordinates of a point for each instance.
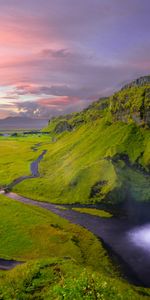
(62, 126)
(132, 103)
(138, 82)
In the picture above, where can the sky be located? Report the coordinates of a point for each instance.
(57, 56)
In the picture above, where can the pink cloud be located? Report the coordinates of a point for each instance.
(58, 101)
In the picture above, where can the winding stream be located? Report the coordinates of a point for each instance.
(119, 235)
(34, 172)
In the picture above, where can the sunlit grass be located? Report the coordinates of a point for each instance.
(94, 212)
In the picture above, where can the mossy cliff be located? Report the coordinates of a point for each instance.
(131, 103)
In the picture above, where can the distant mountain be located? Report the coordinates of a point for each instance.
(15, 123)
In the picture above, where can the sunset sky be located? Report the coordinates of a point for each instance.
(56, 56)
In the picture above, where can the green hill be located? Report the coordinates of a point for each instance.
(99, 154)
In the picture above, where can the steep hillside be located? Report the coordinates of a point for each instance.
(132, 103)
(99, 155)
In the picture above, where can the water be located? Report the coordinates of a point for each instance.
(8, 264)
(140, 236)
(35, 164)
(34, 173)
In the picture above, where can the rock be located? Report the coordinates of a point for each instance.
(62, 126)
(132, 104)
(138, 82)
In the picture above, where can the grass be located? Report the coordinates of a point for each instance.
(58, 279)
(29, 232)
(61, 207)
(94, 212)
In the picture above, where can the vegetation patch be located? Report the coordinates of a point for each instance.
(94, 212)
(96, 190)
(57, 279)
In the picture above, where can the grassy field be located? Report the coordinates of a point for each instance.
(63, 261)
(29, 232)
(16, 154)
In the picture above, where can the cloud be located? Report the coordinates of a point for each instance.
(58, 101)
(54, 90)
(73, 50)
(46, 108)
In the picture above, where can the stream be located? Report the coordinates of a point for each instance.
(34, 172)
(6, 265)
